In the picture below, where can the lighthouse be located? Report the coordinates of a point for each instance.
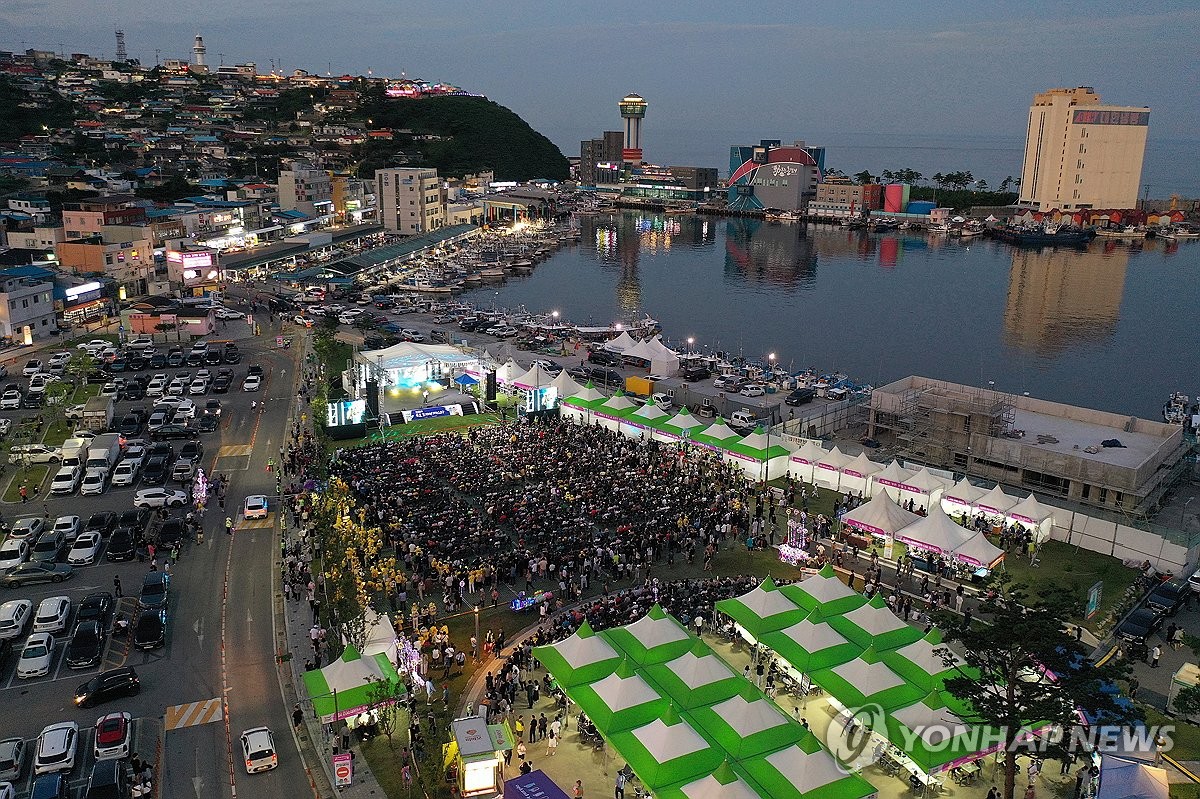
(633, 111)
(198, 51)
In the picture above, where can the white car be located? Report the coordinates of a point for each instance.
(74, 412)
(59, 357)
(199, 386)
(258, 750)
(177, 388)
(110, 390)
(85, 549)
(226, 313)
(15, 615)
(94, 483)
(67, 525)
(156, 388)
(32, 367)
(13, 552)
(141, 343)
(752, 390)
(114, 735)
(159, 498)
(11, 399)
(67, 480)
(256, 507)
(126, 473)
(56, 747)
(252, 383)
(36, 657)
(52, 615)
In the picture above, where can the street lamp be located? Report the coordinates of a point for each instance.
(691, 342)
(477, 630)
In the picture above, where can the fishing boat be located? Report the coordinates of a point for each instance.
(1175, 409)
(971, 228)
(1048, 235)
(1126, 233)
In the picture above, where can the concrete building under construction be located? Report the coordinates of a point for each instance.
(1091, 457)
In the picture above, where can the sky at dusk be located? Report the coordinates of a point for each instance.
(768, 69)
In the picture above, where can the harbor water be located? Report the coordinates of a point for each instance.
(1115, 326)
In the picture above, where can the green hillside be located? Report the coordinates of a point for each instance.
(473, 133)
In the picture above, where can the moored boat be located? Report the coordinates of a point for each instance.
(1044, 235)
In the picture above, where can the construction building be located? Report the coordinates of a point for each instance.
(1090, 457)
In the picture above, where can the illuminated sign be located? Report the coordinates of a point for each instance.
(1083, 116)
(431, 412)
(190, 260)
(345, 412)
(78, 291)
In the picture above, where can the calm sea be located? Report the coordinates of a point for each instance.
(1112, 327)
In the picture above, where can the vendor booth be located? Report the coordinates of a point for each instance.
(763, 610)
(641, 423)
(936, 533)
(959, 499)
(891, 479)
(344, 688)
(995, 504)
(879, 517)
(680, 427)
(1034, 516)
(478, 758)
(924, 489)
(761, 455)
(716, 436)
(828, 472)
(803, 461)
(613, 411)
(581, 405)
(857, 474)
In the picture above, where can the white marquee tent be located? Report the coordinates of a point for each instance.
(534, 378)
(960, 497)
(1034, 515)
(936, 533)
(879, 516)
(924, 489)
(621, 343)
(891, 479)
(995, 502)
(829, 468)
(856, 475)
(804, 460)
(612, 411)
(566, 385)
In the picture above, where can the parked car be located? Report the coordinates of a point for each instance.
(150, 629)
(86, 646)
(800, 396)
(15, 616)
(108, 685)
(52, 615)
(252, 383)
(159, 497)
(96, 607)
(12, 759)
(37, 656)
(1168, 597)
(56, 748)
(605, 358)
(85, 550)
(114, 735)
(752, 390)
(1139, 625)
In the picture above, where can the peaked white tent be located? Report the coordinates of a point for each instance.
(804, 460)
(566, 386)
(639, 351)
(639, 423)
(829, 468)
(684, 424)
(924, 489)
(663, 360)
(611, 411)
(880, 517)
(856, 475)
(1128, 779)
(995, 502)
(535, 378)
(960, 497)
(508, 372)
(936, 532)
(979, 551)
(1034, 515)
(891, 479)
(621, 343)
(381, 636)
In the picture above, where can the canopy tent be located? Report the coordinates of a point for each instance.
(684, 424)
(1035, 515)
(647, 414)
(581, 406)
(697, 677)
(1129, 779)
(465, 380)
(936, 532)
(809, 646)
(613, 410)
(747, 725)
(960, 497)
(663, 360)
(825, 592)
(621, 343)
(995, 502)
(584, 657)
(717, 435)
(874, 625)
(501, 352)
(892, 479)
(856, 475)
(508, 372)
(866, 681)
(979, 551)
(804, 460)
(711, 787)
(566, 386)
(805, 771)
(664, 754)
(924, 489)
(879, 516)
(535, 378)
(620, 701)
(753, 450)
(381, 636)
(921, 664)
(655, 638)
(828, 471)
(638, 351)
(931, 734)
(762, 610)
(344, 688)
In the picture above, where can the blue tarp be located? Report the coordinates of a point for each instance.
(465, 380)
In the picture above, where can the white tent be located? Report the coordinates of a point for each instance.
(584, 650)
(995, 502)
(621, 693)
(639, 350)
(696, 671)
(804, 460)
(610, 412)
(710, 788)
(924, 489)
(621, 343)
(653, 632)
(978, 551)
(829, 468)
(747, 718)
(875, 621)
(663, 360)
(536, 377)
(856, 475)
(1035, 515)
(649, 412)
(937, 532)
(720, 431)
(1128, 779)
(638, 423)
(879, 516)
(508, 372)
(869, 678)
(566, 385)
(890, 479)
(960, 497)
(684, 424)
(806, 772)
(824, 588)
(381, 636)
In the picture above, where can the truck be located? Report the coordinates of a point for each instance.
(639, 386)
(103, 453)
(98, 414)
(74, 451)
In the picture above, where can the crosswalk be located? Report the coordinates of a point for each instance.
(235, 449)
(258, 524)
(193, 714)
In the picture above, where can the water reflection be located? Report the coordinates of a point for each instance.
(769, 252)
(1058, 299)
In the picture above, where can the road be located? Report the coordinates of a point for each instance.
(181, 724)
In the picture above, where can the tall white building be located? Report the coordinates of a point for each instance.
(304, 188)
(410, 200)
(1080, 154)
(199, 63)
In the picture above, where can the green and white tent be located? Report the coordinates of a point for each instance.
(695, 678)
(718, 435)
(931, 733)
(613, 410)
(920, 664)
(724, 783)
(824, 592)
(343, 688)
(762, 610)
(663, 754)
(583, 403)
(748, 725)
(805, 771)
(620, 701)
(875, 625)
(655, 638)
(683, 425)
(811, 646)
(867, 680)
(582, 658)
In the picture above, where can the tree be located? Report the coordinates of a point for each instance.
(981, 185)
(79, 366)
(1187, 701)
(939, 180)
(864, 177)
(1003, 675)
(384, 697)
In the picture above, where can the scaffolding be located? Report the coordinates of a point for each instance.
(934, 424)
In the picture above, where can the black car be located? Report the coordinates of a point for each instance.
(108, 685)
(122, 545)
(34, 399)
(173, 431)
(150, 629)
(103, 523)
(695, 373)
(255, 369)
(156, 471)
(191, 451)
(135, 363)
(86, 646)
(155, 588)
(605, 358)
(800, 396)
(195, 359)
(133, 392)
(96, 607)
(107, 780)
(212, 407)
(1169, 596)
(130, 425)
(1140, 625)
(117, 364)
(580, 372)
(221, 383)
(608, 377)
(136, 519)
(213, 357)
(175, 358)
(171, 531)
(51, 786)
(468, 324)
(232, 355)
(158, 361)
(207, 423)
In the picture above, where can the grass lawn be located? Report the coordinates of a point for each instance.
(1186, 739)
(1185, 790)
(57, 432)
(32, 476)
(1075, 568)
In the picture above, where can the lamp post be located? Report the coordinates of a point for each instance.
(691, 342)
(477, 650)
